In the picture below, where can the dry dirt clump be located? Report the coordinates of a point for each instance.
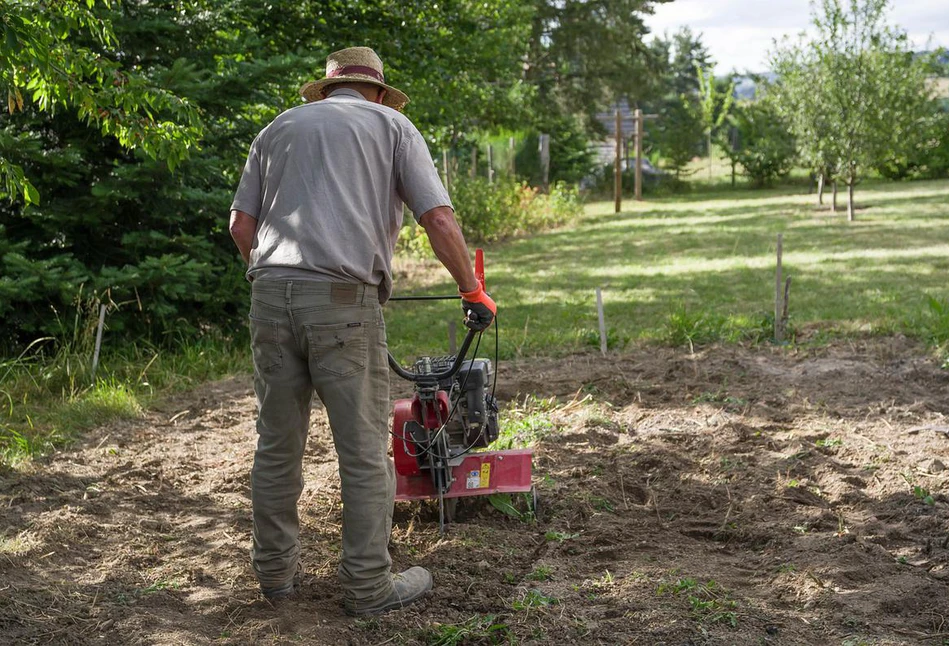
(730, 496)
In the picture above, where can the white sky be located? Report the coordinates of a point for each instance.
(739, 33)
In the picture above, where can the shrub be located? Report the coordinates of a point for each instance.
(760, 143)
(490, 212)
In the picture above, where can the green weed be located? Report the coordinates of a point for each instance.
(533, 598)
(519, 506)
(487, 629)
(540, 573)
(526, 424)
(923, 495)
(708, 601)
(560, 537)
(48, 397)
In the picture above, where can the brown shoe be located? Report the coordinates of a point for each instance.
(284, 591)
(407, 587)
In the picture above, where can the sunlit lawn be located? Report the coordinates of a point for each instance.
(706, 263)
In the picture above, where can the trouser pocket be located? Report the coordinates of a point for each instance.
(263, 341)
(340, 349)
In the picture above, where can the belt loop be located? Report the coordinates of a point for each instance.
(363, 300)
(289, 291)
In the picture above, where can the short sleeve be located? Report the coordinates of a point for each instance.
(248, 195)
(419, 185)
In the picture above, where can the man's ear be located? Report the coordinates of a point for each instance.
(382, 96)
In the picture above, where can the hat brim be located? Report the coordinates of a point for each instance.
(315, 90)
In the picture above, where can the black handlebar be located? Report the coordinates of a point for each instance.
(434, 376)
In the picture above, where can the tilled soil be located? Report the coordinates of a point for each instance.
(726, 496)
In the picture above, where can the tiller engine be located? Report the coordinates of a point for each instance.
(438, 435)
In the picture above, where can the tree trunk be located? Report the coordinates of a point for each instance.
(834, 203)
(820, 189)
(709, 140)
(850, 200)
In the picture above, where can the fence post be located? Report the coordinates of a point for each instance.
(95, 354)
(618, 170)
(490, 164)
(778, 297)
(544, 146)
(602, 321)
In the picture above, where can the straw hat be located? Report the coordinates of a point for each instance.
(354, 64)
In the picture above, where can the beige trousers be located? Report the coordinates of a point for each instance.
(330, 338)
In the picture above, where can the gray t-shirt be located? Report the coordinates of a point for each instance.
(326, 182)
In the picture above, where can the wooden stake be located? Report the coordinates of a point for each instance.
(95, 354)
(639, 154)
(544, 146)
(617, 170)
(510, 144)
(778, 300)
(599, 313)
(490, 164)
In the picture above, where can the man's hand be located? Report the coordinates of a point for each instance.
(479, 309)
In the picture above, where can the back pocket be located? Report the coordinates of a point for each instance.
(338, 348)
(263, 342)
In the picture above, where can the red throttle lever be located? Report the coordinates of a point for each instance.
(478, 307)
(479, 266)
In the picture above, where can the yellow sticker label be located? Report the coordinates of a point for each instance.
(485, 475)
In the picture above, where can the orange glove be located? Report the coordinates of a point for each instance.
(479, 309)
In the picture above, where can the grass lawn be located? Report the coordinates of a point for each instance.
(682, 270)
(701, 267)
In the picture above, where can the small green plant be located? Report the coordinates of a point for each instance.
(923, 495)
(540, 573)
(519, 507)
(523, 426)
(708, 601)
(560, 537)
(920, 493)
(830, 441)
(533, 598)
(601, 504)
(684, 327)
(487, 629)
(158, 586)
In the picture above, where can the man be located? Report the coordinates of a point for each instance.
(316, 217)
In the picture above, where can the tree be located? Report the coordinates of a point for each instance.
(852, 91)
(119, 227)
(759, 141)
(714, 105)
(63, 55)
(676, 136)
(586, 54)
(690, 56)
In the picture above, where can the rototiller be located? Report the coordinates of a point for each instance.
(437, 433)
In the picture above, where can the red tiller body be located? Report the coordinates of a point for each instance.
(480, 473)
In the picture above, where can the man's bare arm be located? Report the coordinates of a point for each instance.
(243, 227)
(449, 245)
